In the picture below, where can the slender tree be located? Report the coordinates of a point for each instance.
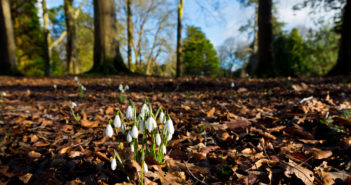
(46, 39)
(179, 37)
(71, 48)
(265, 39)
(8, 63)
(343, 65)
(107, 56)
(129, 32)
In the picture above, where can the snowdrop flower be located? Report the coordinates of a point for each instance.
(3, 94)
(135, 132)
(164, 149)
(145, 167)
(232, 85)
(123, 128)
(169, 126)
(55, 86)
(130, 113)
(117, 122)
(73, 105)
(76, 78)
(129, 137)
(113, 164)
(150, 124)
(144, 111)
(120, 87)
(109, 131)
(126, 88)
(158, 139)
(131, 148)
(162, 117)
(83, 88)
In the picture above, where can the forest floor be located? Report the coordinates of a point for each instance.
(290, 131)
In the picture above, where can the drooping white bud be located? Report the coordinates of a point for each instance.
(129, 137)
(73, 104)
(75, 78)
(120, 87)
(117, 122)
(123, 128)
(130, 113)
(145, 167)
(127, 87)
(164, 149)
(55, 86)
(169, 126)
(132, 147)
(232, 85)
(113, 164)
(150, 124)
(162, 118)
(158, 139)
(169, 137)
(135, 132)
(109, 131)
(144, 111)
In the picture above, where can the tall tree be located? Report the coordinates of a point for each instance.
(7, 42)
(265, 39)
(46, 39)
(343, 65)
(71, 48)
(179, 37)
(107, 56)
(129, 32)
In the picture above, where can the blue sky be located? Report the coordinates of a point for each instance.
(223, 22)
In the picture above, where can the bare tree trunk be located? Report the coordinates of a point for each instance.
(8, 63)
(343, 65)
(46, 39)
(129, 32)
(179, 37)
(265, 39)
(71, 49)
(107, 56)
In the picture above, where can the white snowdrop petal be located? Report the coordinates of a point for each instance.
(145, 167)
(130, 113)
(169, 137)
(109, 131)
(158, 139)
(164, 149)
(73, 105)
(162, 117)
(170, 126)
(150, 124)
(129, 137)
(120, 87)
(113, 164)
(123, 128)
(135, 132)
(131, 148)
(117, 122)
(75, 78)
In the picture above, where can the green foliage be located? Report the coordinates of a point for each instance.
(314, 56)
(28, 37)
(290, 54)
(199, 56)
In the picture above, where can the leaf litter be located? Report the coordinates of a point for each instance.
(274, 131)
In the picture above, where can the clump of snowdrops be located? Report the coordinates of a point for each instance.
(122, 96)
(157, 128)
(81, 87)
